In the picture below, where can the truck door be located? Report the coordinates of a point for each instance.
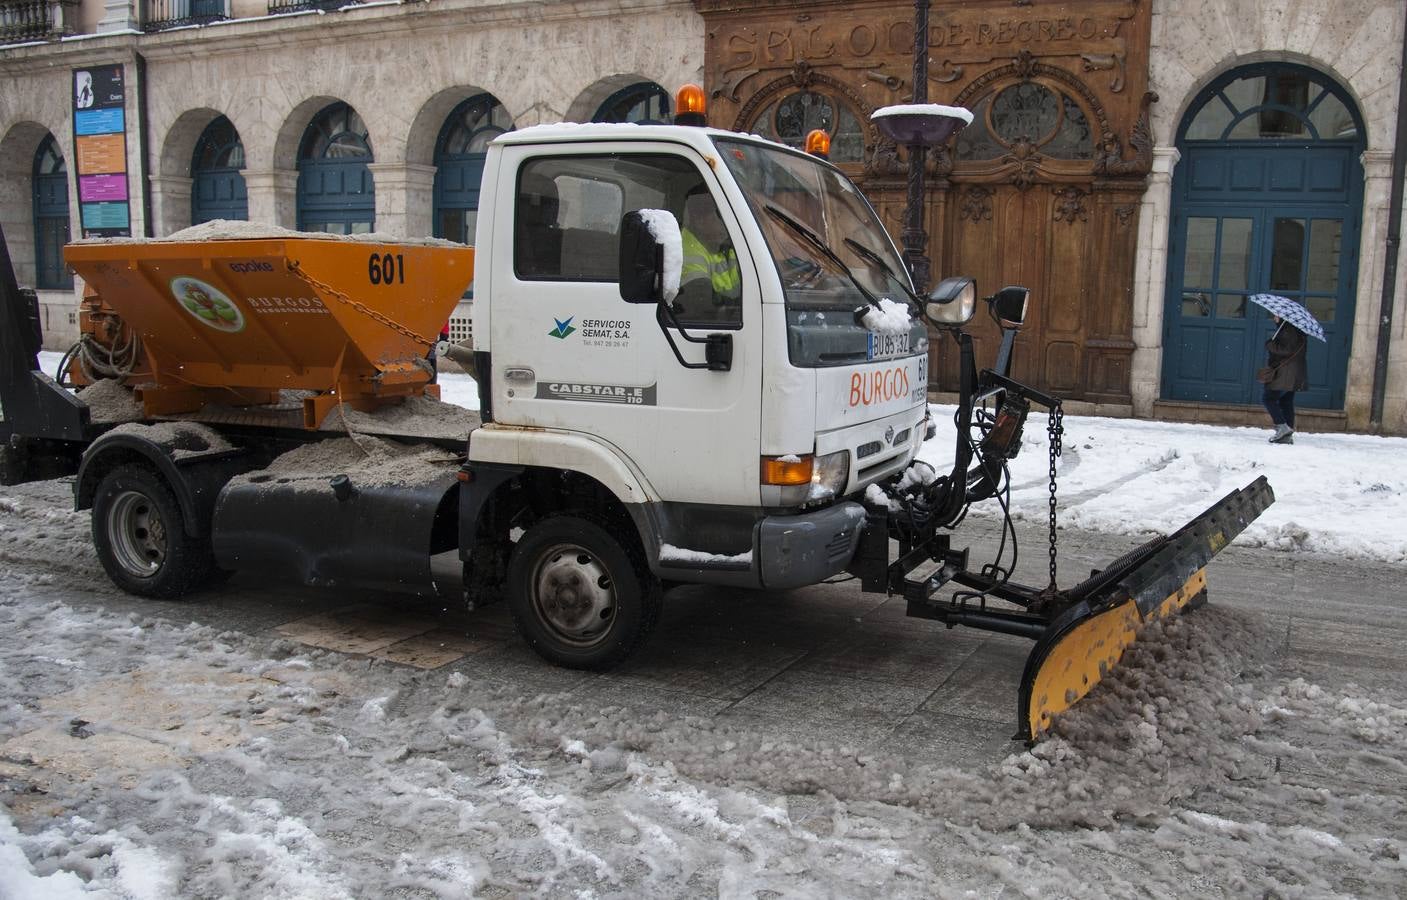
(569, 353)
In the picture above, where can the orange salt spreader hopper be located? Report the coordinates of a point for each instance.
(233, 322)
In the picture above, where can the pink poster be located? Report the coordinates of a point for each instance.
(94, 188)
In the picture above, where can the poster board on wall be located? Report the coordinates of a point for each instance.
(100, 151)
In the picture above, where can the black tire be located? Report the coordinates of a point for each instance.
(580, 597)
(141, 538)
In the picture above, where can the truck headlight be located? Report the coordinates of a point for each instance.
(797, 480)
(952, 302)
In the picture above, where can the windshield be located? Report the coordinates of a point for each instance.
(824, 237)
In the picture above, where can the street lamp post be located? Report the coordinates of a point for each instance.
(919, 126)
(914, 237)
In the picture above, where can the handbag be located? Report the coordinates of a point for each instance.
(1266, 374)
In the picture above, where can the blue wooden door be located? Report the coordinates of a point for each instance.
(1259, 221)
(218, 194)
(336, 196)
(336, 190)
(1207, 338)
(1266, 199)
(457, 196)
(217, 182)
(460, 151)
(51, 226)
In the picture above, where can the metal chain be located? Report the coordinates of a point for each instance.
(359, 307)
(1054, 429)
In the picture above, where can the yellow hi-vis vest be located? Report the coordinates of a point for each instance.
(721, 268)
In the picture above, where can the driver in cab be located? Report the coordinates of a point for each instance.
(710, 282)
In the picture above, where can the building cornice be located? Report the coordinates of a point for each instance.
(378, 20)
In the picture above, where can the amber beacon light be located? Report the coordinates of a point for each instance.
(818, 143)
(689, 106)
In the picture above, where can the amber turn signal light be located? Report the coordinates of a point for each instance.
(785, 470)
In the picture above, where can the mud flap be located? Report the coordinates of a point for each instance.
(1085, 642)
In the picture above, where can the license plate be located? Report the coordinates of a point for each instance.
(885, 346)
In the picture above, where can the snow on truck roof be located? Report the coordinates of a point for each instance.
(630, 131)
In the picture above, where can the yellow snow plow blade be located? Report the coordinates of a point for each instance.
(1085, 641)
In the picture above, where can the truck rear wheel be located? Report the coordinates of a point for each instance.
(141, 539)
(580, 597)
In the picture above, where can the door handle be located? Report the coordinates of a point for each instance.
(519, 373)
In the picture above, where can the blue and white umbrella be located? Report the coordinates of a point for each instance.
(1293, 312)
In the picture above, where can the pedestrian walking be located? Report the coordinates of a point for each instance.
(1283, 374)
(1285, 371)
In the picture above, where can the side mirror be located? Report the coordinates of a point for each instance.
(641, 260)
(651, 256)
(952, 302)
(1009, 306)
(718, 352)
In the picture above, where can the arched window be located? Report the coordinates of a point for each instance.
(1026, 113)
(645, 103)
(796, 115)
(336, 193)
(50, 217)
(217, 189)
(459, 164)
(1274, 103)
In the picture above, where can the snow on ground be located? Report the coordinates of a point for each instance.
(1343, 494)
(250, 767)
(142, 756)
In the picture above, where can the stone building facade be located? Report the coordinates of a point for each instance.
(402, 69)
(1144, 165)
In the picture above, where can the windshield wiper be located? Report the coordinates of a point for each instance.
(823, 248)
(873, 257)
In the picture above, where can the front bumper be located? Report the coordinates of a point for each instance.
(786, 551)
(794, 551)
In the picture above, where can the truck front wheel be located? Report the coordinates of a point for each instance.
(141, 538)
(580, 597)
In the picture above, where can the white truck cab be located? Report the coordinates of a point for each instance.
(734, 420)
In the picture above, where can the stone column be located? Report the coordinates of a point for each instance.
(1149, 282)
(171, 203)
(1363, 351)
(118, 15)
(405, 198)
(273, 197)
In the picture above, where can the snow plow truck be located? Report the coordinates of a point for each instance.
(699, 358)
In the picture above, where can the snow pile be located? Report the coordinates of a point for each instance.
(109, 400)
(571, 129)
(239, 230)
(914, 479)
(42, 540)
(890, 317)
(672, 555)
(184, 439)
(665, 229)
(414, 416)
(368, 461)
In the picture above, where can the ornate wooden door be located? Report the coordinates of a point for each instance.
(1042, 190)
